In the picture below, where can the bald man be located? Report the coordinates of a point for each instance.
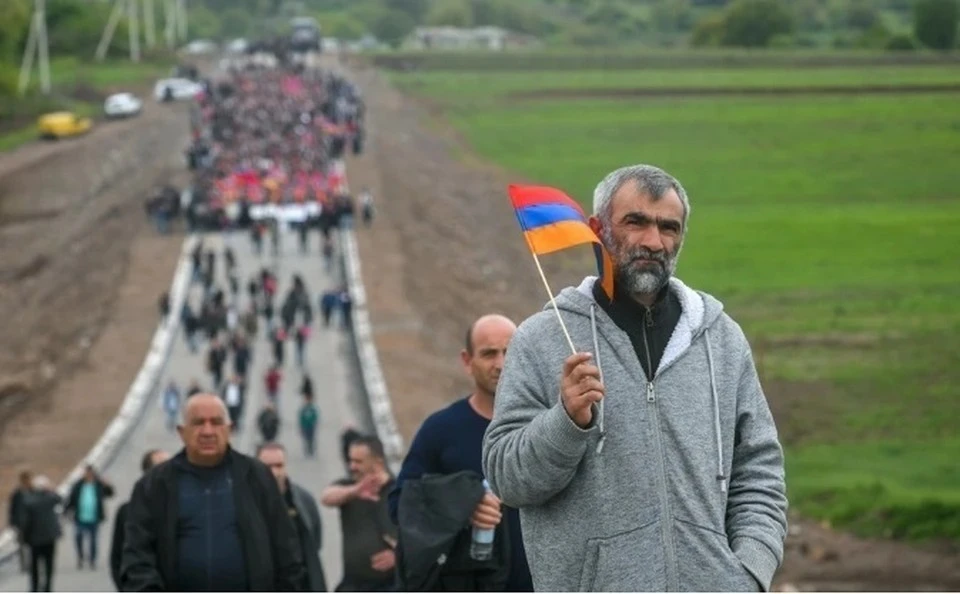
(209, 493)
(451, 439)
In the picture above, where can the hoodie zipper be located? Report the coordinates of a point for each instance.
(666, 526)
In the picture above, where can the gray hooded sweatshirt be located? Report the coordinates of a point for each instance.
(677, 484)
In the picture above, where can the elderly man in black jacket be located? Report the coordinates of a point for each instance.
(210, 518)
(304, 512)
(150, 459)
(41, 530)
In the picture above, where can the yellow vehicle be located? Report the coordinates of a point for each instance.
(62, 124)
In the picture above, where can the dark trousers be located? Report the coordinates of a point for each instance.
(42, 554)
(90, 531)
(309, 441)
(235, 412)
(23, 554)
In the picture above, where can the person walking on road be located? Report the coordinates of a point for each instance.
(234, 396)
(328, 303)
(279, 338)
(268, 421)
(272, 381)
(346, 308)
(302, 509)
(216, 359)
(208, 492)
(150, 459)
(652, 463)
(86, 505)
(15, 515)
(241, 356)
(308, 418)
(300, 342)
(369, 537)
(191, 325)
(451, 440)
(171, 404)
(41, 531)
(327, 252)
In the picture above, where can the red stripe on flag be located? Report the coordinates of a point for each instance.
(523, 196)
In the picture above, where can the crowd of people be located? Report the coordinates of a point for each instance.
(274, 137)
(649, 460)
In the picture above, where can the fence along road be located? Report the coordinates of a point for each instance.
(338, 395)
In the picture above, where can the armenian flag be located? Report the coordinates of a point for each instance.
(552, 221)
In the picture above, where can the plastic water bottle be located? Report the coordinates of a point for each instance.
(481, 544)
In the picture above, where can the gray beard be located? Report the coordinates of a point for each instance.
(641, 282)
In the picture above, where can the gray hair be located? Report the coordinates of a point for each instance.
(649, 179)
(186, 405)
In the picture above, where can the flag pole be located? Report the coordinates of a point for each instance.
(553, 301)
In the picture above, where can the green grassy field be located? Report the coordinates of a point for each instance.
(829, 227)
(565, 59)
(490, 86)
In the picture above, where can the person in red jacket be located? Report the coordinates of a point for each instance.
(272, 381)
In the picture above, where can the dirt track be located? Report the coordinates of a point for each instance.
(80, 275)
(445, 248)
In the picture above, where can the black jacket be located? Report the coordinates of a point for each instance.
(271, 550)
(116, 545)
(433, 552)
(103, 491)
(312, 540)
(39, 521)
(15, 510)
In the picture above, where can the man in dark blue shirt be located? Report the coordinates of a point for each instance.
(451, 439)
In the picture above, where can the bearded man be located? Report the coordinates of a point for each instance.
(649, 461)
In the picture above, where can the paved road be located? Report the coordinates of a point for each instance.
(330, 361)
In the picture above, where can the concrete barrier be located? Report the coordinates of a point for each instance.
(374, 384)
(141, 392)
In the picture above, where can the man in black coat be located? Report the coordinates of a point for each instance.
(209, 493)
(40, 527)
(304, 512)
(15, 515)
(149, 460)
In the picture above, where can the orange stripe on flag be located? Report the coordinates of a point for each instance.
(558, 236)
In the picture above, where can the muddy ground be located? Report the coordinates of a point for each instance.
(80, 275)
(445, 249)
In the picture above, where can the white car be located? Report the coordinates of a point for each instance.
(176, 89)
(122, 105)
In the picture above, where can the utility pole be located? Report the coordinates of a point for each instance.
(134, 29)
(38, 44)
(112, 21)
(170, 22)
(182, 18)
(149, 25)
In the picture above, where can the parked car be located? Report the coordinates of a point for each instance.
(122, 105)
(176, 89)
(62, 124)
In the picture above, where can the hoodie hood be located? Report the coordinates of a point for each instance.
(699, 312)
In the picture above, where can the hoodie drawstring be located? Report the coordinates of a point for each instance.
(596, 355)
(721, 475)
